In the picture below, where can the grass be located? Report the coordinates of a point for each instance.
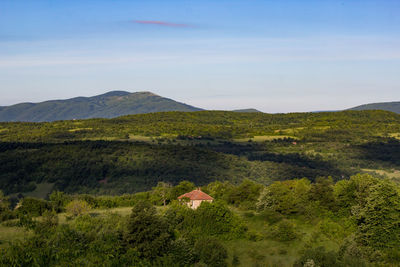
(395, 135)
(140, 138)
(80, 129)
(123, 211)
(9, 234)
(391, 174)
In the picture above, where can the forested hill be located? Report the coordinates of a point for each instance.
(388, 106)
(109, 105)
(216, 124)
(132, 153)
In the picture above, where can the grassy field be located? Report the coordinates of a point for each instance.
(8, 234)
(391, 174)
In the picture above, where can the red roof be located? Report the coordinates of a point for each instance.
(196, 195)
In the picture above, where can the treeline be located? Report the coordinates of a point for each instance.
(361, 215)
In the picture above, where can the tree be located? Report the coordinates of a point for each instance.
(162, 192)
(379, 219)
(322, 191)
(211, 252)
(148, 233)
(287, 197)
(77, 207)
(182, 188)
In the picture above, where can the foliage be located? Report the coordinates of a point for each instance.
(77, 208)
(360, 228)
(162, 193)
(33, 206)
(379, 219)
(287, 197)
(5, 211)
(148, 233)
(283, 231)
(211, 252)
(319, 256)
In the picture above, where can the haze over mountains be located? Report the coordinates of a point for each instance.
(109, 105)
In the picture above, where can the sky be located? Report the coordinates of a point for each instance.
(275, 56)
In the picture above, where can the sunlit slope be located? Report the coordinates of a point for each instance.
(388, 106)
(216, 124)
(109, 105)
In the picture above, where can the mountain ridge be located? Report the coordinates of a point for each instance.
(108, 105)
(393, 106)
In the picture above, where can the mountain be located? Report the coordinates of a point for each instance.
(247, 110)
(388, 106)
(110, 105)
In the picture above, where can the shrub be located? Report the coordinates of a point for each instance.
(284, 231)
(181, 252)
(216, 219)
(148, 233)
(319, 256)
(77, 207)
(211, 252)
(33, 206)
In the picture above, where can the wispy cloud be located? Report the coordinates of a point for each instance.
(162, 23)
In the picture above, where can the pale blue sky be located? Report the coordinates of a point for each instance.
(276, 56)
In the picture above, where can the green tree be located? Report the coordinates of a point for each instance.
(162, 193)
(211, 252)
(287, 197)
(77, 208)
(182, 188)
(379, 219)
(149, 233)
(322, 192)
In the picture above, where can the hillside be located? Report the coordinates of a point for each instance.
(109, 105)
(388, 106)
(132, 153)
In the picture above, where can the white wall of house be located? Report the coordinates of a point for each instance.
(194, 204)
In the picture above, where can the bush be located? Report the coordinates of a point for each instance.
(77, 207)
(181, 253)
(319, 257)
(284, 231)
(33, 207)
(216, 219)
(211, 252)
(148, 233)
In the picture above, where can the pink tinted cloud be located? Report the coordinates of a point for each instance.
(162, 23)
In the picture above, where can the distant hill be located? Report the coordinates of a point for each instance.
(388, 106)
(110, 105)
(246, 110)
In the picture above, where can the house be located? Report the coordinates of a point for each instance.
(195, 198)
